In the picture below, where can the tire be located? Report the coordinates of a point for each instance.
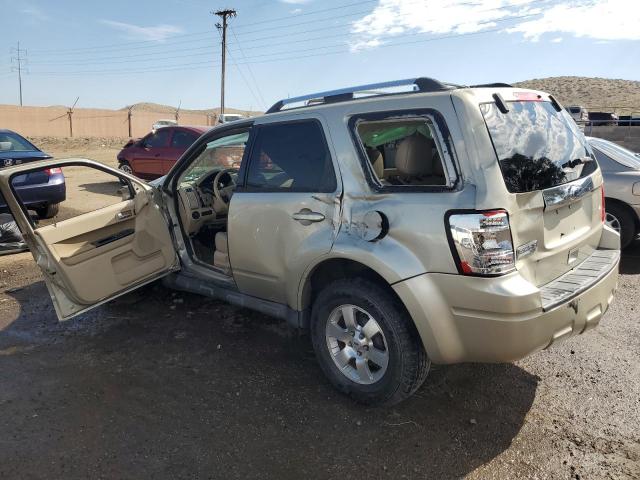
(126, 168)
(407, 362)
(618, 215)
(49, 210)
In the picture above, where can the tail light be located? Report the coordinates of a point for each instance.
(52, 171)
(482, 242)
(603, 214)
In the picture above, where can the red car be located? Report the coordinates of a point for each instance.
(153, 155)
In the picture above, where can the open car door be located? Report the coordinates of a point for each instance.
(108, 236)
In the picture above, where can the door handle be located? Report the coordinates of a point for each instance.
(123, 215)
(307, 217)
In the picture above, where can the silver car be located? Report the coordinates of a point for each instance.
(439, 223)
(621, 171)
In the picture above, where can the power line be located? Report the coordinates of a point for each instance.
(255, 82)
(200, 65)
(143, 44)
(206, 50)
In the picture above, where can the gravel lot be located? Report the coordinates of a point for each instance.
(159, 384)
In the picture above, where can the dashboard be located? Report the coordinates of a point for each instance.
(198, 203)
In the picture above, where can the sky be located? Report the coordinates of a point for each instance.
(112, 54)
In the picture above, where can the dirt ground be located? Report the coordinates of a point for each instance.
(159, 384)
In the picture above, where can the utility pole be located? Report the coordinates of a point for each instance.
(18, 59)
(224, 14)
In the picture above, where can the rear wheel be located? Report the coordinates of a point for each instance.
(366, 343)
(49, 210)
(621, 221)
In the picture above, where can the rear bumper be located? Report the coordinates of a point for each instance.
(42, 193)
(502, 319)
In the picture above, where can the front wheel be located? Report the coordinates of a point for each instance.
(366, 343)
(49, 210)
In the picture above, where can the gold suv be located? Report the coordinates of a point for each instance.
(402, 223)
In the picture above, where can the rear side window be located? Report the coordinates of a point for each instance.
(537, 147)
(402, 151)
(182, 139)
(291, 157)
(158, 139)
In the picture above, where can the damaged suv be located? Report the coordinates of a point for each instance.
(403, 223)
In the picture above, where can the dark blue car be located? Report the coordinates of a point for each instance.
(41, 191)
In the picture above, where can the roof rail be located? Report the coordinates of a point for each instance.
(421, 84)
(492, 85)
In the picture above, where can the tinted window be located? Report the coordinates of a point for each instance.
(182, 139)
(158, 139)
(537, 146)
(291, 157)
(10, 142)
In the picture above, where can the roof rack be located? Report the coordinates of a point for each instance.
(492, 85)
(421, 84)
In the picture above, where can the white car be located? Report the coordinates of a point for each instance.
(578, 113)
(163, 123)
(230, 117)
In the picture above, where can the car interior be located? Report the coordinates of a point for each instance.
(291, 157)
(403, 152)
(204, 192)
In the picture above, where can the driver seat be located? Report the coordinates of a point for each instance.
(221, 254)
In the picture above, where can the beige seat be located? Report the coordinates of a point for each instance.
(418, 163)
(377, 161)
(221, 254)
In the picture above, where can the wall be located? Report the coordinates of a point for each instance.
(628, 136)
(87, 122)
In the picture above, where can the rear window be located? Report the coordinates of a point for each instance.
(10, 142)
(537, 147)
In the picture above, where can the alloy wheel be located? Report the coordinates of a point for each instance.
(613, 222)
(357, 344)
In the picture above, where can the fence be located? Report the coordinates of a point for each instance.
(89, 122)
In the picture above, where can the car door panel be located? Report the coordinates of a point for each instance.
(284, 216)
(95, 256)
(280, 247)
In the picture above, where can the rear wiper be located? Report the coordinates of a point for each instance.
(577, 161)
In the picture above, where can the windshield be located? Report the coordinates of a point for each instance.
(618, 154)
(537, 147)
(10, 142)
(225, 152)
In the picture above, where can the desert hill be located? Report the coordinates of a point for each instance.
(158, 108)
(602, 94)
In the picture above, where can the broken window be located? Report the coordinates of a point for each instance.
(403, 151)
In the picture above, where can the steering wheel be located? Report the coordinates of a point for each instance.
(223, 185)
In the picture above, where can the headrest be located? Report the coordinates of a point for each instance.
(5, 145)
(376, 160)
(415, 155)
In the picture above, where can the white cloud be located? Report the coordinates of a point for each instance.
(556, 40)
(295, 2)
(295, 11)
(596, 19)
(34, 12)
(157, 33)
